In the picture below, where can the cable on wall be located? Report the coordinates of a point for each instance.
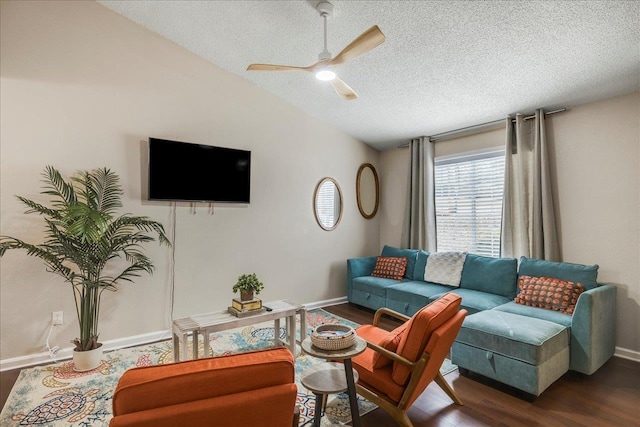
(172, 264)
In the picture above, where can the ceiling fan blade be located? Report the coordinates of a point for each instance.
(274, 67)
(343, 90)
(364, 43)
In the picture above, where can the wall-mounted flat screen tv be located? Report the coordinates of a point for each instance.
(181, 171)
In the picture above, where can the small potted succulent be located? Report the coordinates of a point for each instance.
(248, 284)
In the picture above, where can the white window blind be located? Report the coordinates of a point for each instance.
(469, 202)
(327, 198)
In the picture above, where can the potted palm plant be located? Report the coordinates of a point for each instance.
(87, 244)
(248, 284)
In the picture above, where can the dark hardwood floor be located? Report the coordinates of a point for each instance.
(610, 397)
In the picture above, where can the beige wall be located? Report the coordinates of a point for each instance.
(81, 88)
(596, 152)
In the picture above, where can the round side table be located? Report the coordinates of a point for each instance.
(333, 379)
(323, 380)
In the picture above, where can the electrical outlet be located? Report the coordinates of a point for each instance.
(57, 318)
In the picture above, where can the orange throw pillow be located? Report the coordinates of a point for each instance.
(389, 342)
(390, 267)
(549, 293)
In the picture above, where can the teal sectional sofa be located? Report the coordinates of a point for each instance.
(525, 347)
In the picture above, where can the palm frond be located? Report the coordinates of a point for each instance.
(86, 223)
(38, 208)
(143, 223)
(55, 185)
(54, 262)
(107, 190)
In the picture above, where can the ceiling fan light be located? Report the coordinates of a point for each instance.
(325, 75)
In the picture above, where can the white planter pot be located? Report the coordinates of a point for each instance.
(87, 360)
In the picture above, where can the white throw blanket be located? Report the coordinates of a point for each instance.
(445, 268)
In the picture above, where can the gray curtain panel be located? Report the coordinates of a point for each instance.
(528, 216)
(419, 228)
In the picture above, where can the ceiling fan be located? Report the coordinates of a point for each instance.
(323, 69)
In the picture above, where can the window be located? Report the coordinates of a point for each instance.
(468, 201)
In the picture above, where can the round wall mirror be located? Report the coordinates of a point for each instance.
(368, 190)
(327, 204)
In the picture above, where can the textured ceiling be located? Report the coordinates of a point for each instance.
(444, 65)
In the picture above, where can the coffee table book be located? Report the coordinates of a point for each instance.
(246, 313)
(253, 304)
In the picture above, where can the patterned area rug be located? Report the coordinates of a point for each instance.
(56, 396)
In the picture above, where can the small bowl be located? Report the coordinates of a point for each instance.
(333, 337)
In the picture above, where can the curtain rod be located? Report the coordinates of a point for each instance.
(457, 133)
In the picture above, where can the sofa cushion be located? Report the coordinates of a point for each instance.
(419, 330)
(527, 339)
(390, 267)
(549, 293)
(445, 268)
(374, 285)
(416, 293)
(577, 273)
(494, 275)
(421, 264)
(537, 313)
(410, 254)
(475, 301)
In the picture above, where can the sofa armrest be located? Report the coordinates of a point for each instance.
(593, 329)
(358, 267)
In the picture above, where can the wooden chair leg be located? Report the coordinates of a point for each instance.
(444, 385)
(296, 417)
(403, 419)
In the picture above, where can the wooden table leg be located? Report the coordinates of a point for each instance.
(351, 390)
(276, 332)
(185, 350)
(195, 345)
(303, 323)
(291, 333)
(176, 350)
(318, 411)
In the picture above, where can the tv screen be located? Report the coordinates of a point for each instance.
(180, 171)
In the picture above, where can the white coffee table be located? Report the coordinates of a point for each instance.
(208, 323)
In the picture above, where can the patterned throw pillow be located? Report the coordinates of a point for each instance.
(550, 293)
(390, 267)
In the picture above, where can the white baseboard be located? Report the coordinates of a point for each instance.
(625, 353)
(67, 353)
(325, 303)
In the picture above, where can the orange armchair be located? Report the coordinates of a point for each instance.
(398, 366)
(246, 389)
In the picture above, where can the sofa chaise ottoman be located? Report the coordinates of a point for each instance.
(527, 353)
